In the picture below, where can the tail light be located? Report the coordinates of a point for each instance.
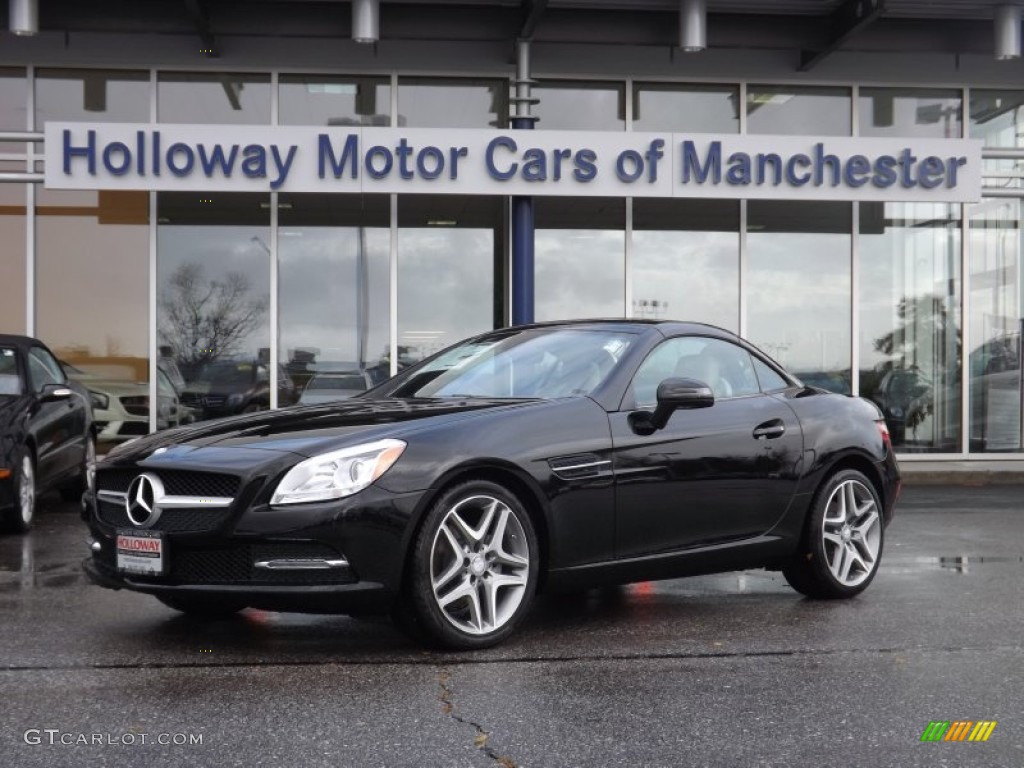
(883, 430)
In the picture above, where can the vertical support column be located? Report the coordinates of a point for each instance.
(30, 208)
(151, 318)
(522, 206)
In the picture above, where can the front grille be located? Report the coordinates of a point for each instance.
(134, 428)
(196, 520)
(196, 400)
(176, 482)
(234, 565)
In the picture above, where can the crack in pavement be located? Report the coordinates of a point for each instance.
(482, 734)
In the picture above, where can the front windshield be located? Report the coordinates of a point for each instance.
(10, 382)
(535, 363)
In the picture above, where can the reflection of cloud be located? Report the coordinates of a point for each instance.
(317, 284)
(445, 284)
(579, 273)
(799, 298)
(697, 273)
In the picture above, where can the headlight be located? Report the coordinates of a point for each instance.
(99, 400)
(337, 474)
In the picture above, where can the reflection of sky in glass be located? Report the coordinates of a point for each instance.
(212, 98)
(445, 286)
(62, 96)
(92, 286)
(450, 105)
(798, 298)
(782, 111)
(13, 109)
(997, 317)
(695, 273)
(926, 113)
(221, 250)
(696, 111)
(318, 288)
(592, 109)
(322, 100)
(579, 273)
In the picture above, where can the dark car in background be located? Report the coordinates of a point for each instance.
(541, 457)
(228, 387)
(47, 438)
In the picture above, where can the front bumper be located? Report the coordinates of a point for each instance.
(262, 555)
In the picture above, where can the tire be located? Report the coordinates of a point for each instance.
(842, 543)
(473, 570)
(21, 516)
(86, 479)
(202, 606)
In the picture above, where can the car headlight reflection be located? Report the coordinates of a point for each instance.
(99, 400)
(337, 474)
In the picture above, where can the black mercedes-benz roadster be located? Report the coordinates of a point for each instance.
(542, 457)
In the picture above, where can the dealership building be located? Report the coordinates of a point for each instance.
(206, 192)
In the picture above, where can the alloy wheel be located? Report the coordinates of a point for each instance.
(27, 491)
(851, 533)
(479, 565)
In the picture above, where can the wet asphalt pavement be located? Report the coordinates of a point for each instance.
(732, 670)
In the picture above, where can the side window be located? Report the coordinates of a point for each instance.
(726, 368)
(43, 368)
(770, 381)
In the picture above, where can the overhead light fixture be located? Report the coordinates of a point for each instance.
(24, 17)
(693, 25)
(1007, 31)
(366, 21)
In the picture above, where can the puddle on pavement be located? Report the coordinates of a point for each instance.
(20, 569)
(960, 564)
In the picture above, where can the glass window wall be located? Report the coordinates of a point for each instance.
(213, 300)
(579, 252)
(690, 108)
(450, 103)
(333, 293)
(685, 260)
(213, 97)
(799, 111)
(96, 95)
(921, 112)
(798, 288)
(451, 252)
(332, 100)
(909, 268)
(580, 106)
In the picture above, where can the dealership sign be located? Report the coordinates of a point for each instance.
(231, 158)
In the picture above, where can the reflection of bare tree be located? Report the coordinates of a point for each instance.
(203, 320)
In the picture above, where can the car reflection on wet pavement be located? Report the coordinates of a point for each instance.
(733, 669)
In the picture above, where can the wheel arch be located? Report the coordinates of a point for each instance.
(862, 464)
(503, 473)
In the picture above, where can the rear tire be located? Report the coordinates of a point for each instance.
(842, 543)
(202, 606)
(473, 571)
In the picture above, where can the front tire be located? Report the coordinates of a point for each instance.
(202, 606)
(474, 568)
(842, 543)
(22, 515)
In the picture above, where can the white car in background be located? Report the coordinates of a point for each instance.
(121, 408)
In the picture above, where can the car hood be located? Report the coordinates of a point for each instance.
(115, 388)
(313, 429)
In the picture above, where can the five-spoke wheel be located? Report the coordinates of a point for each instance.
(842, 545)
(474, 567)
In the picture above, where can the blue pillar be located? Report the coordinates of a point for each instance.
(522, 250)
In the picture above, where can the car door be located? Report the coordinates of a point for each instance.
(712, 475)
(58, 425)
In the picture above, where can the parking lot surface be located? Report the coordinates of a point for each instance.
(729, 670)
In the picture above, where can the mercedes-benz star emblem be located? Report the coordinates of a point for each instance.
(142, 502)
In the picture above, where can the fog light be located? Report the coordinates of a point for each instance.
(94, 545)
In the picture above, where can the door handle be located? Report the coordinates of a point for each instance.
(770, 430)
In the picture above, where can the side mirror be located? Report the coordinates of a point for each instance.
(673, 395)
(53, 392)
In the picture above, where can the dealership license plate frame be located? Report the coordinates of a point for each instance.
(138, 562)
